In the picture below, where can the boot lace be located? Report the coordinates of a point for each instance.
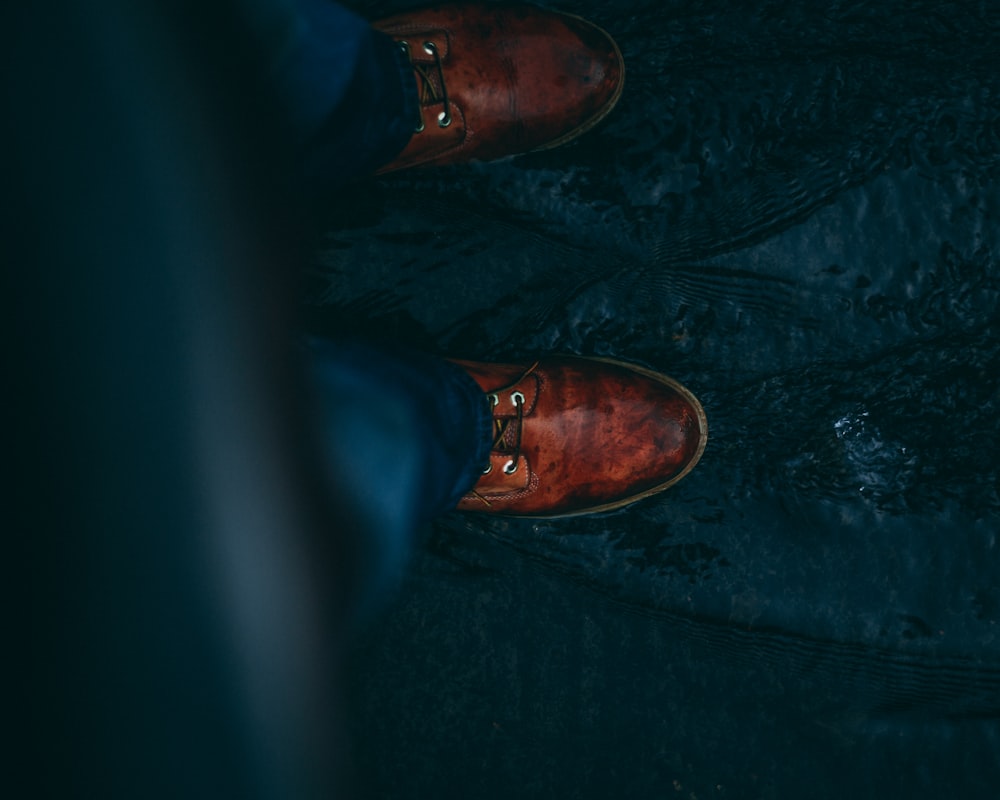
(507, 430)
(431, 91)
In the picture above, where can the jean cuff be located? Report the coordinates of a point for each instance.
(480, 412)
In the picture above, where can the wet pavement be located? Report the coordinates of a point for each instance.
(797, 214)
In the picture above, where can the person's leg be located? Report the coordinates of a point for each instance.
(431, 401)
(404, 436)
(348, 93)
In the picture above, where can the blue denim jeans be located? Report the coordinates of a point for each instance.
(405, 435)
(349, 95)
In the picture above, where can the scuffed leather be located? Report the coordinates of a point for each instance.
(518, 78)
(597, 435)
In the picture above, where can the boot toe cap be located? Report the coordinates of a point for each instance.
(599, 434)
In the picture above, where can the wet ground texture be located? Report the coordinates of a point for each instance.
(796, 213)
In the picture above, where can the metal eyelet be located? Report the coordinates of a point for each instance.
(444, 119)
(430, 48)
(516, 398)
(493, 400)
(510, 467)
(489, 469)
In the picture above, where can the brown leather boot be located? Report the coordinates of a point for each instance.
(580, 435)
(499, 80)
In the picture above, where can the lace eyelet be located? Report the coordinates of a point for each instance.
(510, 467)
(430, 48)
(516, 399)
(444, 119)
(493, 400)
(489, 469)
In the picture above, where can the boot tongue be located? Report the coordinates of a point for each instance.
(510, 436)
(505, 435)
(429, 83)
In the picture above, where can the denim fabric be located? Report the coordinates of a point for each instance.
(349, 94)
(404, 436)
(428, 401)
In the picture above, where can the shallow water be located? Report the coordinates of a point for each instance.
(796, 214)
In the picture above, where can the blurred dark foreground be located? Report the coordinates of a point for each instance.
(793, 210)
(178, 580)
